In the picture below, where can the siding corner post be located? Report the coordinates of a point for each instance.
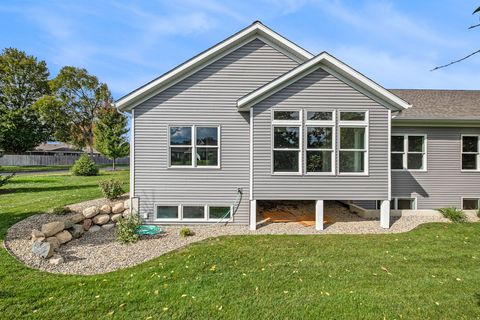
(253, 214)
(385, 214)
(319, 215)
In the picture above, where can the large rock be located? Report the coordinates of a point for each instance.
(116, 217)
(90, 212)
(94, 228)
(37, 236)
(101, 219)
(118, 207)
(108, 226)
(77, 231)
(52, 228)
(53, 242)
(42, 249)
(87, 223)
(126, 214)
(67, 223)
(126, 204)
(56, 260)
(64, 236)
(77, 218)
(105, 209)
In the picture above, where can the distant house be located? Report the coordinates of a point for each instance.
(60, 149)
(258, 113)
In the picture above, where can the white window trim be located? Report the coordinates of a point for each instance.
(406, 152)
(180, 213)
(287, 123)
(355, 124)
(395, 202)
(326, 124)
(470, 198)
(477, 153)
(194, 146)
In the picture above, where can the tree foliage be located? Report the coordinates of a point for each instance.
(73, 107)
(110, 134)
(23, 80)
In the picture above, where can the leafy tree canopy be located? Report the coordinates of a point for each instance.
(110, 134)
(23, 80)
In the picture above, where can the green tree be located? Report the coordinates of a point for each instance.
(110, 134)
(72, 109)
(23, 80)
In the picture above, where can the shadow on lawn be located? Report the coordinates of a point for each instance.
(46, 189)
(477, 296)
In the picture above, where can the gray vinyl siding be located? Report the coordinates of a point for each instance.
(207, 97)
(321, 91)
(443, 184)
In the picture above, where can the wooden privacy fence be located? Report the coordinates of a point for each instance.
(50, 160)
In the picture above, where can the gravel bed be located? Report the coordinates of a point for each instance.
(99, 252)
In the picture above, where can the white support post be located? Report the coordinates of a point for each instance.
(253, 214)
(319, 215)
(385, 214)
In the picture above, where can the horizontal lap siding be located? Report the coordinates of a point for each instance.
(443, 184)
(320, 90)
(206, 98)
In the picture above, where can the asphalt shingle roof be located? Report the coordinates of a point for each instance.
(440, 104)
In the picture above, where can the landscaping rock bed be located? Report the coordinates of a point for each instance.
(99, 252)
(47, 241)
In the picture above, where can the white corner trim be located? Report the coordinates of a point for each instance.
(256, 30)
(389, 156)
(328, 61)
(251, 156)
(132, 156)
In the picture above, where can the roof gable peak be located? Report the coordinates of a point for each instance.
(256, 30)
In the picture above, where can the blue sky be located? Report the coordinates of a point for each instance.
(127, 43)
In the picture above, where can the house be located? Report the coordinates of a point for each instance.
(60, 149)
(256, 117)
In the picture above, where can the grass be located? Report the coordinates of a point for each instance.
(8, 169)
(432, 272)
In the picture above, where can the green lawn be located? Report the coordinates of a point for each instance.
(49, 168)
(432, 272)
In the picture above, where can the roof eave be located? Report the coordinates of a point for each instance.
(435, 122)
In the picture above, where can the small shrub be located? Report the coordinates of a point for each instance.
(127, 227)
(111, 189)
(60, 211)
(453, 214)
(84, 166)
(186, 232)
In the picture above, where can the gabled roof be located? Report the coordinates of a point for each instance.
(430, 104)
(255, 30)
(335, 67)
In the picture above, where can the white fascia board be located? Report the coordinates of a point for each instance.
(328, 61)
(205, 58)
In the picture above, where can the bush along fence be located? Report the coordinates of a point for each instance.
(52, 160)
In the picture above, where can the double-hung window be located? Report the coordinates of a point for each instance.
(194, 146)
(287, 128)
(470, 153)
(320, 142)
(408, 152)
(353, 157)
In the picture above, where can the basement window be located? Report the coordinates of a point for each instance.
(167, 212)
(470, 204)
